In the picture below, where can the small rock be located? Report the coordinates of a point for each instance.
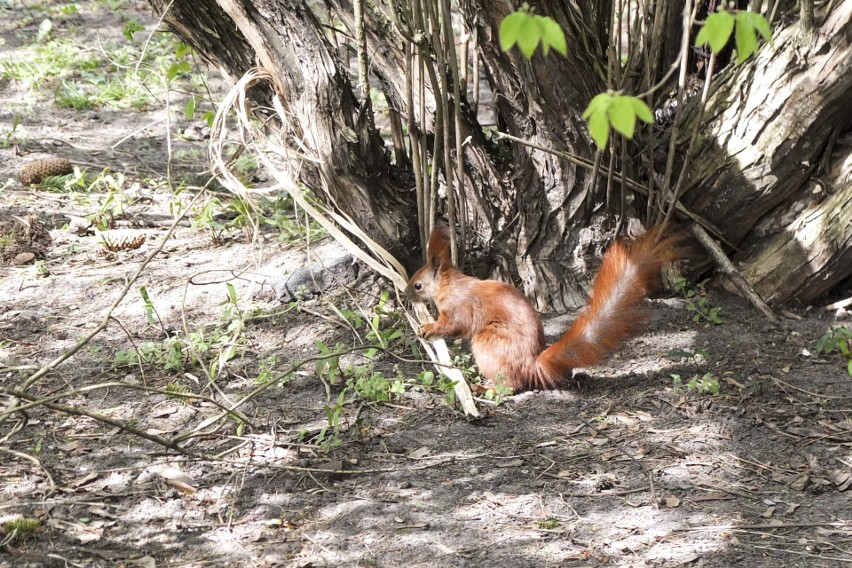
(23, 258)
(80, 226)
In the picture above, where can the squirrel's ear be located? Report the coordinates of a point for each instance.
(439, 247)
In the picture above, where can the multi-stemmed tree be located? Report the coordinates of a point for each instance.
(397, 111)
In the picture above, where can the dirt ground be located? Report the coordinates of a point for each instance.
(630, 468)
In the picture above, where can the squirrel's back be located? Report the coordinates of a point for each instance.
(510, 338)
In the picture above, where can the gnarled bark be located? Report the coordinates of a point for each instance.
(771, 120)
(532, 210)
(352, 167)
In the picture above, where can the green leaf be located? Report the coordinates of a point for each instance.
(172, 71)
(599, 129)
(552, 35)
(746, 40)
(510, 29)
(528, 30)
(622, 116)
(177, 68)
(182, 50)
(130, 28)
(716, 31)
(530, 35)
(756, 21)
(545, 47)
(642, 110)
(747, 23)
(189, 111)
(599, 103)
(596, 114)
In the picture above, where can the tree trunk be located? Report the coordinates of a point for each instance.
(809, 256)
(353, 167)
(535, 211)
(771, 120)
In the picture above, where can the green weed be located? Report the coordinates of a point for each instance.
(266, 373)
(118, 76)
(837, 339)
(706, 384)
(329, 435)
(329, 366)
(178, 354)
(7, 137)
(696, 301)
(167, 355)
(206, 221)
(177, 389)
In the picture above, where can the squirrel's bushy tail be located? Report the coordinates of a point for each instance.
(630, 271)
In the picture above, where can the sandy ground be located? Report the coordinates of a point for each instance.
(630, 468)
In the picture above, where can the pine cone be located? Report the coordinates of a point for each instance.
(122, 239)
(36, 170)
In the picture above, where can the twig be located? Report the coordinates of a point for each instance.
(840, 304)
(35, 461)
(22, 423)
(77, 411)
(686, 29)
(112, 384)
(760, 465)
(619, 493)
(841, 524)
(680, 184)
(137, 131)
(154, 30)
(613, 442)
(708, 487)
(800, 553)
(315, 543)
(629, 182)
(809, 393)
(454, 458)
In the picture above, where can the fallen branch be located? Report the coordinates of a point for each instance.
(728, 268)
(840, 524)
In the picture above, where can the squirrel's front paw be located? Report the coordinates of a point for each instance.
(427, 330)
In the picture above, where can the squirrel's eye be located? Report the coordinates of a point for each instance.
(418, 286)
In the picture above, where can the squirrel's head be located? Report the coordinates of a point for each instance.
(424, 284)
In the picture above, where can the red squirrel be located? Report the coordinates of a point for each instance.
(507, 339)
